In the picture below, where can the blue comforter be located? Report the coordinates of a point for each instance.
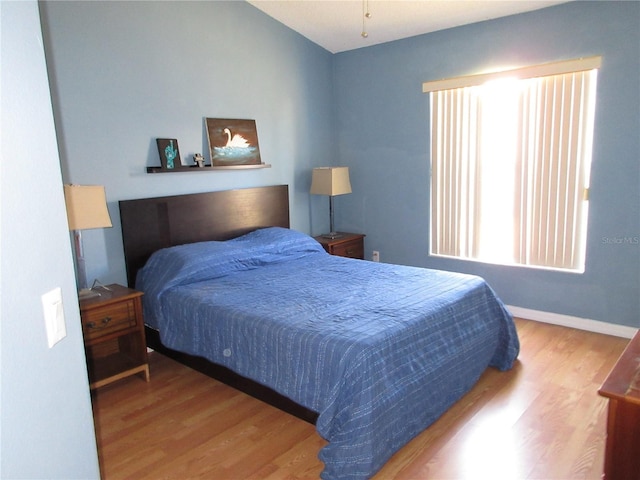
(380, 351)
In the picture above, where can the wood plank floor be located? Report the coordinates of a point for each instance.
(541, 420)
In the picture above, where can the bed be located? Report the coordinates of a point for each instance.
(375, 352)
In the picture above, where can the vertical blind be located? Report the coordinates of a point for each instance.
(455, 180)
(544, 176)
(555, 135)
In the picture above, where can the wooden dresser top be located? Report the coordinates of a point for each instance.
(623, 382)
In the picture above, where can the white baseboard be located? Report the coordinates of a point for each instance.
(573, 322)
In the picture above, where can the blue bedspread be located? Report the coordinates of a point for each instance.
(380, 351)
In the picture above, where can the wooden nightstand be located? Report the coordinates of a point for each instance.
(348, 245)
(113, 330)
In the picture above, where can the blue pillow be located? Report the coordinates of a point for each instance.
(278, 241)
(195, 262)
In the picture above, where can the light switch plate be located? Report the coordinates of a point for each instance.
(54, 316)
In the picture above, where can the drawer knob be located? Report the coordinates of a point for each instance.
(104, 322)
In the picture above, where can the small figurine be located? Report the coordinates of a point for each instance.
(199, 159)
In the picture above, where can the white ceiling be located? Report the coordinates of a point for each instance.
(337, 25)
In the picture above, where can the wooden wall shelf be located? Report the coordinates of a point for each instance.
(206, 168)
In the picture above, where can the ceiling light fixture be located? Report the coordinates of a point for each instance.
(365, 16)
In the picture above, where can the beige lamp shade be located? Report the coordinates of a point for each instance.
(86, 207)
(330, 181)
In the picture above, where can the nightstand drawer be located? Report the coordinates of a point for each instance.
(109, 319)
(351, 249)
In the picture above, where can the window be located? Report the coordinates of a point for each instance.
(510, 161)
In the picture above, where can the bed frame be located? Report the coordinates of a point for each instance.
(149, 224)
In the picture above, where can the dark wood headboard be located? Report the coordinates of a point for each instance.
(149, 224)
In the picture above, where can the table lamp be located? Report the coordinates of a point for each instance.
(330, 181)
(86, 209)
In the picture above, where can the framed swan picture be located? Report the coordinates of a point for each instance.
(232, 142)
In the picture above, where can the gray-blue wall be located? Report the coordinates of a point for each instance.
(124, 73)
(383, 135)
(47, 423)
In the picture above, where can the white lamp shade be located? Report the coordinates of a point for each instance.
(330, 181)
(86, 207)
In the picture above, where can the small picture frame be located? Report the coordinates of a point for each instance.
(169, 153)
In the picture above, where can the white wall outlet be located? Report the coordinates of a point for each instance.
(54, 316)
(376, 256)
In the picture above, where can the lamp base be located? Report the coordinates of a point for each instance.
(85, 293)
(332, 235)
